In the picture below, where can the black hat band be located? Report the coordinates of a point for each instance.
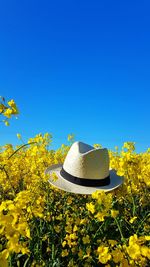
(85, 182)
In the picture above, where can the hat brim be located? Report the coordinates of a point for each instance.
(63, 184)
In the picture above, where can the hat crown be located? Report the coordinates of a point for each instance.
(85, 161)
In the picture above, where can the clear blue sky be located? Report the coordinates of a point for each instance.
(79, 67)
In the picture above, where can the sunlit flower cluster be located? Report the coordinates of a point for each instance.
(41, 225)
(8, 109)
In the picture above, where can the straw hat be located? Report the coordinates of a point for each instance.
(85, 170)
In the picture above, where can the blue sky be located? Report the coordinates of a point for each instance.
(79, 67)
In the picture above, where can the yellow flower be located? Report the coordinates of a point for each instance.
(59, 217)
(48, 250)
(2, 108)
(147, 237)
(133, 239)
(98, 194)
(8, 113)
(57, 228)
(73, 249)
(134, 251)
(64, 253)
(75, 228)
(133, 219)
(83, 221)
(19, 136)
(90, 207)
(88, 250)
(28, 232)
(129, 146)
(112, 242)
(117, 255)
(25, 250)
(64, 243)
(114, 213)
(103, 256)
(12, 104)
(3, 258)
(73, 236)
(100, 216)
(86, 239)
(69, 200)
(80, 253)
(145, 251)
(68, 229)
(97, 146)
(125, 263)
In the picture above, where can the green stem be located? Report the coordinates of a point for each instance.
(20, 148)
(99, 229)
(122, 237)
(147, 215)
(53, 253)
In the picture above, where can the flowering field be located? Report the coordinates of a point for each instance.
(44, 226)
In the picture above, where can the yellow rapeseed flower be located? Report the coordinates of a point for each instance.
(90, 207)
(133, 219)
(147, 237)
(80, 253)
(75, 228)
(134, 251)
(103, 254)
(86, 239)
(145, 251)
(64, 253)
(101, 215)
(117, 255)
(8, 113)
(3, 258)
(114, 213)
(112, 242)
(11, 103)
(64, 243)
